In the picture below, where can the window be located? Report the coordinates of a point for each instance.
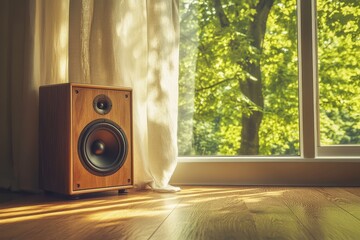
(339, 76)
(247, 77)
(238, 78)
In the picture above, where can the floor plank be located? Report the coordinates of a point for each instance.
(135, 216)
(197, 212)
(232, 213)
(210, 213)
(273, 219)
(343, 199)
(353, 190)
(319, 214)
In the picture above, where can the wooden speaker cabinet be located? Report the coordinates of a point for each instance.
(85, 138)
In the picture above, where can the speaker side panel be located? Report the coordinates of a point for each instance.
(54, 138)
(83, 114)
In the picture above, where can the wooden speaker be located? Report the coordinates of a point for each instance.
(85, 138)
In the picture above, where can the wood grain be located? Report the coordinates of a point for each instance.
(193, 213)
(65, 110)
(98, 216)
(344, 199)
(273, 219)
(54, 138)
(83, 114)
(320, 215)
(210, 213)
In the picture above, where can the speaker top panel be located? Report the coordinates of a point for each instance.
(83, 85)
(94, 86)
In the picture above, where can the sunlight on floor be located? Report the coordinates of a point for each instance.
(124, 213)
(121, 208)
(194, 213)
(24, 213)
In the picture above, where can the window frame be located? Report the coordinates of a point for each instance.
(310, 149)
(350, 151)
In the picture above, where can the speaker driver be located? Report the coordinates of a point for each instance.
(102, 147)
(102, 104)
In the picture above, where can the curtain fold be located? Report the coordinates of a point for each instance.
(162, 85)
(113, 42)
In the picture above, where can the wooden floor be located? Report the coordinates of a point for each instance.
(193, 213)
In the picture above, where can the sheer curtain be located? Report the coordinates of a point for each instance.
(112, 42)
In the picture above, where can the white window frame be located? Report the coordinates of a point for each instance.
(331, 151)
(316, 165)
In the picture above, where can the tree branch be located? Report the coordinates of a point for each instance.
(214, 85)
(224, 21)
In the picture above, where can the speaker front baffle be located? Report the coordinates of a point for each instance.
(85, 138)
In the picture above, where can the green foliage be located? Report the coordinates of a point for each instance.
(279, 134)
(339, 71)
(214, 50)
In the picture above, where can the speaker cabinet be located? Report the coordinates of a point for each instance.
(85, 135)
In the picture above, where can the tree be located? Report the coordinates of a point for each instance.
(339, 71)
(239, 76)
(229, 103)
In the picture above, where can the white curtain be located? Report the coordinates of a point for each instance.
(130, 43)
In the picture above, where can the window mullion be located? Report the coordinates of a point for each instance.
(307, 78)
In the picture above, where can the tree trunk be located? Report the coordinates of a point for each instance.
(251, 87)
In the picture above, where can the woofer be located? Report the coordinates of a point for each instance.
(102, 147)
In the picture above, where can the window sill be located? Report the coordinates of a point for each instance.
(285, 171)
(224, 159)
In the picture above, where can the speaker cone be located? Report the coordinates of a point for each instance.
(102, 147)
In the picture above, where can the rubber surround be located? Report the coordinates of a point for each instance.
(115, 149)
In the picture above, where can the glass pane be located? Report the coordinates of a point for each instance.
(238, 87)
(339, 71)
